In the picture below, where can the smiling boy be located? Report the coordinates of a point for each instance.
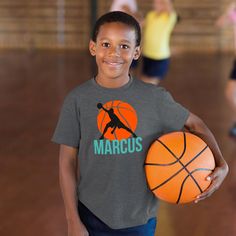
(110, 197)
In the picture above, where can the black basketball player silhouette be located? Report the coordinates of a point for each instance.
(114, 123)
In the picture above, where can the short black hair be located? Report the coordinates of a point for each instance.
(119, 17)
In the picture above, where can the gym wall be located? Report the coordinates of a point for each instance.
(66, 24)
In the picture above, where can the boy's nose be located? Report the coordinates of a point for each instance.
(114, 51)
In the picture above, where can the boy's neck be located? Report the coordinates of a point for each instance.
(112, 82)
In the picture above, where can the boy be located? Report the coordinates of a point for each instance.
(110, 197)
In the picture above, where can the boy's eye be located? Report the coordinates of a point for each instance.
(106, 45)
(124, 46)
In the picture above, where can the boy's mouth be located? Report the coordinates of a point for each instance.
(113, 63)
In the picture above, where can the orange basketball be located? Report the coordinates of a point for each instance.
(177, 165)
(123, 112)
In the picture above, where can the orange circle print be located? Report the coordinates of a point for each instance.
(116, 120)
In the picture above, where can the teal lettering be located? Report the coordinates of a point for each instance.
(131, 145)
(108, 149)
(139, 146)
(98, 147)
(123, 148)
(116, 147)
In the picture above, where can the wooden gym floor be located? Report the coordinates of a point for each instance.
(32, 88)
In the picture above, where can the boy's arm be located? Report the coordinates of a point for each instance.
(196, 126)
(68, 184)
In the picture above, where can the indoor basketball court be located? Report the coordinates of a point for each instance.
(43, 55)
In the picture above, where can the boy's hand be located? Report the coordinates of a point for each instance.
(217, 177)
(77, 228)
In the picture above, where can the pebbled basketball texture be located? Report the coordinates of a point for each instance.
(177, 165)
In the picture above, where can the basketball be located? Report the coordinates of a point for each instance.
(177, 165)
(115, 117)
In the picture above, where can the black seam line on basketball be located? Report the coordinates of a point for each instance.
(179, 159)
(168, 149)
(124, 108)
(182, 185)
(126, 121)
(154, 164)
(184, 167)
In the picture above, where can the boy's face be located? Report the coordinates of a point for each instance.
(114, 50)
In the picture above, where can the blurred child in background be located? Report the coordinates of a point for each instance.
(158, 26)
(128, 6)
(229, 19)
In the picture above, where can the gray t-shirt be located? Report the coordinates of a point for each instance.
(113, 129)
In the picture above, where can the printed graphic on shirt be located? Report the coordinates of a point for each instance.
(117, 122)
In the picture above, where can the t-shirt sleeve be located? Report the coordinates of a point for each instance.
(173, 115)
(68, 127)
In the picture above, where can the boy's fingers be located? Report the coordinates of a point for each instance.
(216, 174)
(204, 195)
(210, 190)
(216, 178)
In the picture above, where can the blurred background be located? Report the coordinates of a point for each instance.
(66, 24)
(44, 54)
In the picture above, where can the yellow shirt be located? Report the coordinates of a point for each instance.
(156, 35)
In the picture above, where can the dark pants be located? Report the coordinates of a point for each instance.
(96, 227)
(233, 71)
(155, 68)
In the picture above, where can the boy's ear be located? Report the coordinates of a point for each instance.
(137, 52)
(92, 47)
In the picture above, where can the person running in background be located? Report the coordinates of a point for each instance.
(228, 18)
(128, 6)
(158, 26)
